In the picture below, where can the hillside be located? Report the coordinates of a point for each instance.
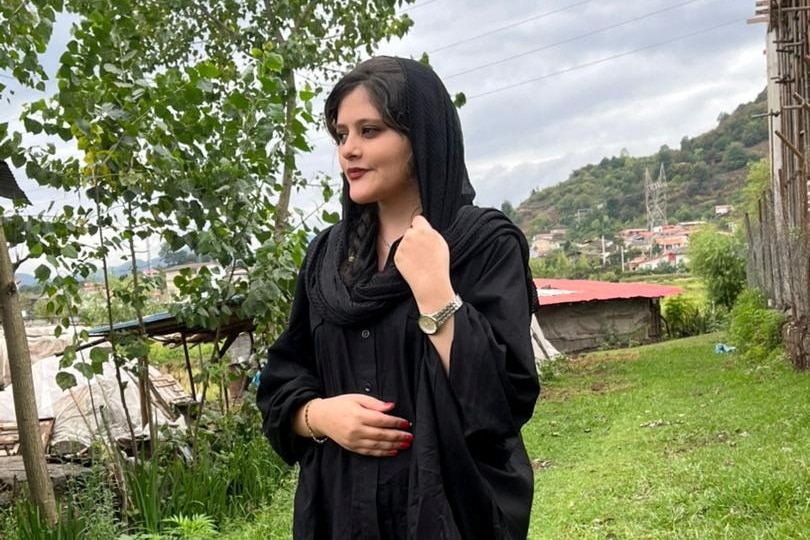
(604, 198)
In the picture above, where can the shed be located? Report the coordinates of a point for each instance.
(579, 315)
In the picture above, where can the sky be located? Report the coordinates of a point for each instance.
(553, 85)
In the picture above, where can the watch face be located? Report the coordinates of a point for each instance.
(428, 325)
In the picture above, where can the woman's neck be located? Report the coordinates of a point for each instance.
(394, 222)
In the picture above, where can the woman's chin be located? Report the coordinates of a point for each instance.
(359, 197)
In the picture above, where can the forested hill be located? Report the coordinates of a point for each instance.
(707, 170)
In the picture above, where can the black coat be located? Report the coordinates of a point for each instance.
(467, 474)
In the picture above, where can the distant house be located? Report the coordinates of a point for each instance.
(722, 209)
(672, 242)
(672, 257)
(578, 315)
(542, 244)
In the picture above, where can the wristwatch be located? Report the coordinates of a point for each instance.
(431, 322)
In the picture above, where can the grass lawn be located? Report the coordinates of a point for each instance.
(671, 441)
(658, 442)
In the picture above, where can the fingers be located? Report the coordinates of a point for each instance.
(374, 404)
(360, 423)
(383, 443)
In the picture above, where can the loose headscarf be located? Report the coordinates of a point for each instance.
(434, 131)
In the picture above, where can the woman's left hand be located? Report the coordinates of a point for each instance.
(423, 260)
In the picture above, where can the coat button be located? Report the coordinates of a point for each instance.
(367, 388)
(364, 334)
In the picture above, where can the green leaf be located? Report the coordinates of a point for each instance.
(208, 70)
(69, 251)
(42, 272)
(273, 61)
(239, 101)
(85, 369)
(65, 380)
(32, 126)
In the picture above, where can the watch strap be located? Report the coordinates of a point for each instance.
(446, 312)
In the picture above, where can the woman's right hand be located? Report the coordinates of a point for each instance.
(360, 423)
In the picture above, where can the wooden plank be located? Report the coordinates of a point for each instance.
(10, 436)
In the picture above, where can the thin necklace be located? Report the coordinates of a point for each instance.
(386, 242)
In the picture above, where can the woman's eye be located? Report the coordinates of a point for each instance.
(341, 137)
(370, 131)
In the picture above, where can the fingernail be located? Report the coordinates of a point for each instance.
(392, 453)
(409, 437)
(390, 403)
(404, 445)
(405, 424)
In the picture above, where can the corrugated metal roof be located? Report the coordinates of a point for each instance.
(567, 291)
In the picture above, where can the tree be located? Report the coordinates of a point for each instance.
(718, 259)
(26, 31)
(508, 209)
(759, 174)
(183, 255)
(186, 118)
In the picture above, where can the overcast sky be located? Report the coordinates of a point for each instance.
(554, 85)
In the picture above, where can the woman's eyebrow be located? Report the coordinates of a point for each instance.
(360, 121)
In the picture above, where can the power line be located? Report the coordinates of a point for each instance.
(607, 59)
(569, 40)
(415, 6)
(512, 25)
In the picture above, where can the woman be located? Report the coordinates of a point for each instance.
(406, 372)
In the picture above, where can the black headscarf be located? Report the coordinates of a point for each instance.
(434, 131)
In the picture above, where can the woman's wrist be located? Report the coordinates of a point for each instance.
(435, 297)
(309, 423)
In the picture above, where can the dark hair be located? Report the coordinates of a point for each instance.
(384, 80)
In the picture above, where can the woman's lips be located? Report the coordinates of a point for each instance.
(355, 173)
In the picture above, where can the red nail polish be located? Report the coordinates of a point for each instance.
(405, 445)
(405, 424)
(392, 453)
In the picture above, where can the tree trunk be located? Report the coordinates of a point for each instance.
(283, 205)
(22, 381)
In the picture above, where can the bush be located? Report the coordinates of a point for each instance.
(718, 259)
(684, 317)
(754, 329)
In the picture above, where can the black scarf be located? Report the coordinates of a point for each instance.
(434, 132)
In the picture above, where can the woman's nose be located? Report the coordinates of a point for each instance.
(349, 148)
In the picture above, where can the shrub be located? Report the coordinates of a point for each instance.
(754, 329)
(684, 317)
(718, 259)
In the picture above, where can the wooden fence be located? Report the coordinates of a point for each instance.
(779, 236)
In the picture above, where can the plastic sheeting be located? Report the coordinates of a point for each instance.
(91, 408)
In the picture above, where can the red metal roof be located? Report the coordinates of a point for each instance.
(567, 291)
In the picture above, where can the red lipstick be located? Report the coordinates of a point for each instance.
(355, 173)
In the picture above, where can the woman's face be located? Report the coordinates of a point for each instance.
(375, 158)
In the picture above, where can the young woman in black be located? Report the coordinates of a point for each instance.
(406, 372)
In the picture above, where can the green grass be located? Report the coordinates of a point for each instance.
(667, 441)
(671, 441)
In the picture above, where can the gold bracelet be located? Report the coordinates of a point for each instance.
(319, 440)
